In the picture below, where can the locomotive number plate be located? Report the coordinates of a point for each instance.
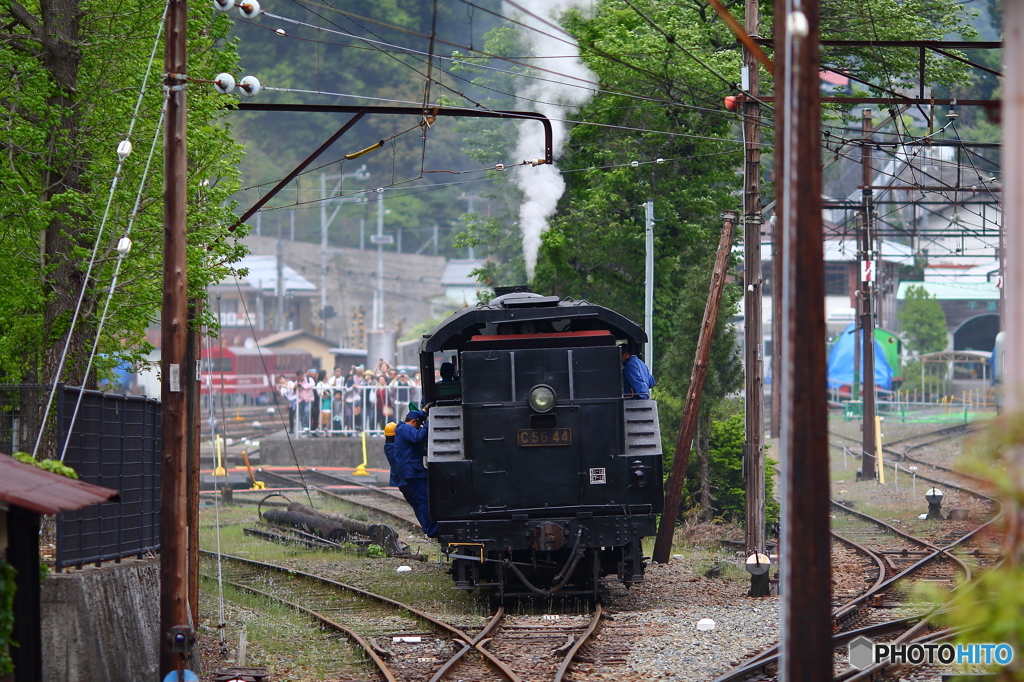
(536, 438)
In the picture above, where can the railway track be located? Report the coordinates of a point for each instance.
(900, 560)
(403, 643)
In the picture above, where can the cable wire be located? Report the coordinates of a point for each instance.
(99, 236)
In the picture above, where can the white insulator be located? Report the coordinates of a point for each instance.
(124, 245)
(796, 24)
(223, 5)
(224, 82)
(380, 190)
(659, 161)
(250, 86)
(124, 148)
(250, 9)
(634, 164)
(499, 166)
(280, 32)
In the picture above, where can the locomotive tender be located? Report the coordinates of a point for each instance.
(542, 478)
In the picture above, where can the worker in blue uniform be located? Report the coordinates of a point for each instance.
(637, 380)
(389, 452)
(410, 448)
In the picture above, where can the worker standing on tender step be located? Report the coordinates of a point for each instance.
(410, 449)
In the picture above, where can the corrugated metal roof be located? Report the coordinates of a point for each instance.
(42, 492)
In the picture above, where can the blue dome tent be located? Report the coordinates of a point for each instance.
(840, 362)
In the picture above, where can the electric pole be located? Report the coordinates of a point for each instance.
(279, 287)
(866, 324)
(175, 634)
(753, 335)
(806, 572)
(649, 281)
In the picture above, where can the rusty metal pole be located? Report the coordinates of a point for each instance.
(174, 329)
(663, 543)
(1013, 281)
(866, 320)
(752, 330)
(806, 632)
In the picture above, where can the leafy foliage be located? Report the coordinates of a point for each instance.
(922, 321)
(725, 464)
(52, 465)
(75, 70)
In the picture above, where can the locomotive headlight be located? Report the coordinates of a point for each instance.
(542, 398)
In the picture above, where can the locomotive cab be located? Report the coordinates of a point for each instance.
(542, 478)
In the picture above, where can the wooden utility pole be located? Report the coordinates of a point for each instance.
(1013, 281)
(776, 417)
(173, 341)
(806, 632)
(753, 336)
(663, 544)
(866, 320)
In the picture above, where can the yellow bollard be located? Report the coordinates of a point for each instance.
(219, 447)
(361, 469)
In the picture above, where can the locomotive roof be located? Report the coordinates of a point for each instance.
(522, 306)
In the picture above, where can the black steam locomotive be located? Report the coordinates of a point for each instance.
(543, 479)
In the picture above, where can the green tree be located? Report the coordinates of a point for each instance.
(922, 321)
(725, 441)
(73, 72)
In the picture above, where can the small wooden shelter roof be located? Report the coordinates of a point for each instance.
(43, 492)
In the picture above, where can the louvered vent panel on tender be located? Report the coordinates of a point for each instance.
(445, 441)
(641, 427)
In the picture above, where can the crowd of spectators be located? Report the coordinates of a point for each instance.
(340, 404)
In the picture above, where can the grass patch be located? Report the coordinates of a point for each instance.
(290, 645)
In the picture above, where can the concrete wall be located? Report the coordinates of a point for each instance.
(322, 452)
(102, 623)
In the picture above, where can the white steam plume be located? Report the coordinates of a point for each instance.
(543, 185)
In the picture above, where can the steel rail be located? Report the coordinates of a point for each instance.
(954, 486)
(354, 636)
(451, 629)
(771, 656)
(567, 661)
(476, 644)
(936, 551)
(851, 605)
(380, 510)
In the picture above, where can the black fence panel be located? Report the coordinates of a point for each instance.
(114, 442)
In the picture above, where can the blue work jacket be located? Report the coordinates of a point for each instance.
(637, 381)
(409, 451)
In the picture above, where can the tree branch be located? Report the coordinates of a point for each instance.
(26, 19)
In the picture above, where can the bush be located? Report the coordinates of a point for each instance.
(725, 464)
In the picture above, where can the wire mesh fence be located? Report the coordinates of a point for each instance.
(21, 406)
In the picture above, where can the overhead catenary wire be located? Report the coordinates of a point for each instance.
(123, 150)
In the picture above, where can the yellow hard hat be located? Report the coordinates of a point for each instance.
(389, 430)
